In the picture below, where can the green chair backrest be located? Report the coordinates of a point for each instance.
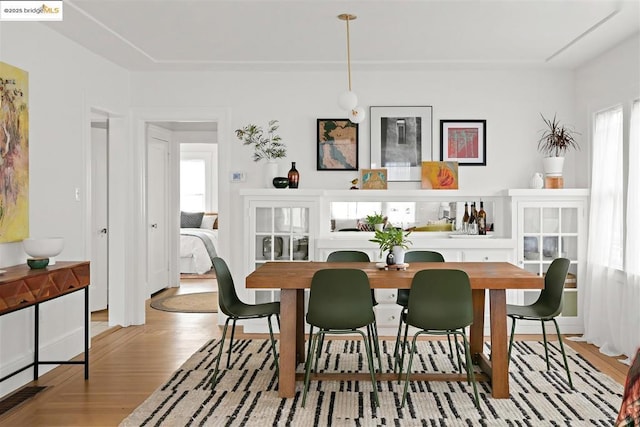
(440, 300)
(423, 256)
(551, 296)
(340, 299)
(348, 256)
(227, 296)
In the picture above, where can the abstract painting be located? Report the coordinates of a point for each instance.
(440, 175)
(337, 145)
(464, 141)
(14, 153)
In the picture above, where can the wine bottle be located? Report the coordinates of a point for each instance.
(472, 215)
(293, 176)
(465, 217)
(482, 220)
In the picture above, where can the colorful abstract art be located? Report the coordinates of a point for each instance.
(14, 153)
(440, 175)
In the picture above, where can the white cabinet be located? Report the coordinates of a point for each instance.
(279, 228)
(551, 224)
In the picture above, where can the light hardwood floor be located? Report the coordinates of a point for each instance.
(128, 364)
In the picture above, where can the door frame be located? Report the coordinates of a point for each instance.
(136, 291)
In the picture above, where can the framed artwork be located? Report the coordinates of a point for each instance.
(14, 146)
(337, 145)
(464, 141)
(373, 179)
(440, 175)
(401, 140)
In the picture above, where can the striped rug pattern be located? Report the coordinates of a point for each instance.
(247, 395)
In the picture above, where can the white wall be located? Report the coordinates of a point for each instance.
(511, 101)
(64, 82)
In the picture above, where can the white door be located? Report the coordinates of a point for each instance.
(99, 289)
(157, 207)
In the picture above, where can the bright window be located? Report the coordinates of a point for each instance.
(192, 185)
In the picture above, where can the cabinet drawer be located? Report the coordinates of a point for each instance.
(387, 315)
(386, 296)
(487, 255)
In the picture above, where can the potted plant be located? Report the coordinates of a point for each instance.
(266, 145)
(394, 240)
(376, 220)
(554, 142)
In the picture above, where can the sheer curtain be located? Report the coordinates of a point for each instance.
(611, 291)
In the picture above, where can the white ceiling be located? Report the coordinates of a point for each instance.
(306, 34)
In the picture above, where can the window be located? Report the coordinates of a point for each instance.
(192, 185)
(607, 182)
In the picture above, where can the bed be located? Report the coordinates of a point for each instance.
(198, 241)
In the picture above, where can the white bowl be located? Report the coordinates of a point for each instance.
(45, 247)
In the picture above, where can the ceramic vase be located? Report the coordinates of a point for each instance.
(270, 171)
(398, 254)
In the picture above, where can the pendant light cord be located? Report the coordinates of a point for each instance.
(348, 53)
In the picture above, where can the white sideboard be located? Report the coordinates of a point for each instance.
(272, 214)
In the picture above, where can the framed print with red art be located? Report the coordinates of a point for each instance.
(464, 141)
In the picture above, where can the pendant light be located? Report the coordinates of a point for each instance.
(348, 100)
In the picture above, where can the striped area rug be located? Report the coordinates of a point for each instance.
(247, 392)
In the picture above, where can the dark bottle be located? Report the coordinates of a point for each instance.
(472, 216)
(482, 220)
(465, 218)
(391, 260)
(294, 176)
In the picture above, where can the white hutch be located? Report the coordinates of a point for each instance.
(530, 227)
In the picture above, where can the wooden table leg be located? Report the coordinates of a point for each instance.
(499, 362)
(288, 329)
(300, 347)
(476, 333)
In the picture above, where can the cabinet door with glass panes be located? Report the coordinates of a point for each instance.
(548, 230)
(279, 231)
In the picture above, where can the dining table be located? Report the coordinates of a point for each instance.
(292, 278)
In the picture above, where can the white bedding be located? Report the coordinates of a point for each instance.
(194, 257)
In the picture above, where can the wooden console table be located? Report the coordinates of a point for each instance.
(22, 287)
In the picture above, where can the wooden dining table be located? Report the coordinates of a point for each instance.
(292, 278)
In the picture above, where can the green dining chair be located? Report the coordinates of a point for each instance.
(338, 309)
(402, 299)
(359, 256)
(440, 303)
(545, 308)
(235, 309)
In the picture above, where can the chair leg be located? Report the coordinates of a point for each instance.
(309, 343)
(273, 344)
(319, 351)
(455, 341)
(513, 329)
(396, 347)
(374, 383)
(544, 338)
(470, 373)
(215, 371)
(233, 331)
(404, 346)
(564, 356)
(406, 379)
(307, 371)
(376, 343)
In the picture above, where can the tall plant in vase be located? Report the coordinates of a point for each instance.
(393, 240)
(555, 140)
(266, 145)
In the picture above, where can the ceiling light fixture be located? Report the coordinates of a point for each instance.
(348, 100)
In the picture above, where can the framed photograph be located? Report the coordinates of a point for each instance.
(373, 179)
(401, 140)
(464, 141)
(337, 145)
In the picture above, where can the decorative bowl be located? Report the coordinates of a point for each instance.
(45, 247)
(36, 263)
(281, 182)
